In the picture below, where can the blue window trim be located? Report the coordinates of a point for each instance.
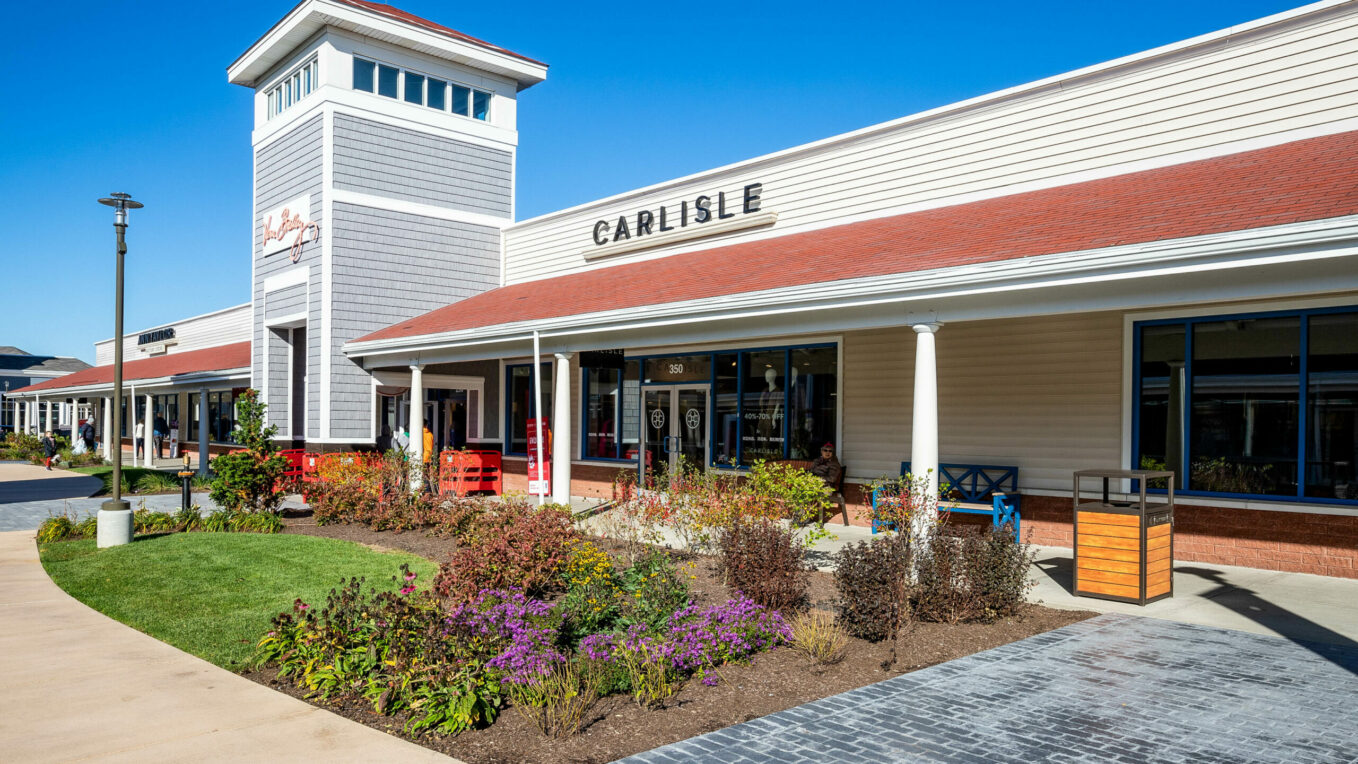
(509, 402)
(585, 372)
(710, 382)
(1303, 382)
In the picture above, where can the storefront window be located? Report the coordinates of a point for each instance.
(609, 395)
(167, 408)
(1332, 406)
(1266, 405)
(521, 404)
(813, 385)
(192, 432)
(763, 405)
(221, 416)
(726, 410)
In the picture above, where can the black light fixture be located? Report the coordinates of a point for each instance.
(115, 515)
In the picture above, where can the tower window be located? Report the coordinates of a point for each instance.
(421, 89)
(292, 88)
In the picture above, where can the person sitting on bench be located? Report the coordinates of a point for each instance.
(827, 467)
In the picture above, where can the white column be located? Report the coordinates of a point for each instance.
(561, 430)
(148, 440)
(51, 416)
(202, 431)
(924, 422)
(416, 424)
(131, 423)
(106, 433)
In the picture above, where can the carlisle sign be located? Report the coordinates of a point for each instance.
(704, 215)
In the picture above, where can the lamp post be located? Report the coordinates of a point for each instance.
(115, 516)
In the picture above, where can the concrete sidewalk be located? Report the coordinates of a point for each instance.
(76, 685)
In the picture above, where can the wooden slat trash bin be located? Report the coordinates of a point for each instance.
(1124, 550)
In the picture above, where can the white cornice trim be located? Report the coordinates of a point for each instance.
(1338, 237)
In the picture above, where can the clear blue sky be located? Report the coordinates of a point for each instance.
(132, 96)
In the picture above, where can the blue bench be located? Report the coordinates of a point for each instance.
(979, 489)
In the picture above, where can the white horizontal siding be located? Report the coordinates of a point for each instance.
(1301, 75)
(1044, 394)
(221, 328)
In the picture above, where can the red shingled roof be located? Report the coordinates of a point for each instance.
(220, 358)
(410, 18)
(1304, 180)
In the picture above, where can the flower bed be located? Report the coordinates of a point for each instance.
(607, 647)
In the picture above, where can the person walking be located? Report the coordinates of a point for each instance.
(162, 432)
(87, 434)
(428, 444)
(49, 449)
(138, 446)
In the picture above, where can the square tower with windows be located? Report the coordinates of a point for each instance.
(384, 155)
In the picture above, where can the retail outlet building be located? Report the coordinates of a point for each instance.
(1152, 262)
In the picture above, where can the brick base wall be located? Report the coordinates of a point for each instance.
(1297, 542)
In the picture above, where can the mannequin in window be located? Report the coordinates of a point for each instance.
(771, 416)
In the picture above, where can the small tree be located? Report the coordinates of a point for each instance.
(250, 480)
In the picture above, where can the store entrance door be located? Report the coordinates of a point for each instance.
(674, 427)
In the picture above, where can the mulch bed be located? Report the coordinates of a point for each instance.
(618, 727)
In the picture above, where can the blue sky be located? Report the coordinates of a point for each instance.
(133, 97)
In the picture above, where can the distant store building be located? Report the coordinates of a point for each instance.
(185, 374)
(18, 369)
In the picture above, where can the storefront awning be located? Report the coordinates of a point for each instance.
(223, 358)
(1307, 180)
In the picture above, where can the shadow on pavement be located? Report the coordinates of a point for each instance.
(1323, 641)
(81, 487)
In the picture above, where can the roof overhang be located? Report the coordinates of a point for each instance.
(1235, 265)
(311, 16)
(190, 380)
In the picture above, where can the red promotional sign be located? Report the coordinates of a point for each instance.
(539, 473)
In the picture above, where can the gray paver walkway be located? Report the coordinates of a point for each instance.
(1113, 688)
(76, 685)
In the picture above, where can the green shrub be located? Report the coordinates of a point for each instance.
(765, 561)
(146, 521)
(803, 496)
(219, 521)
(189, 519)
(55, 528)
(250, 480)
(654, 588)
(87, 528)
(156, 482)
(256, 522)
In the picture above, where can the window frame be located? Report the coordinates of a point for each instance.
(507, 434)
(1188, 322)
(710, 384)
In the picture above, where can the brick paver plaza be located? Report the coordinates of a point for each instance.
(1113, 688)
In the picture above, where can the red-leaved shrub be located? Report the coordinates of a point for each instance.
(511, 545)
(764, 560)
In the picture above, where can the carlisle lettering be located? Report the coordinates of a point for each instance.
(647, 222)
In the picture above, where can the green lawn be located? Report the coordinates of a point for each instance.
(213, 594)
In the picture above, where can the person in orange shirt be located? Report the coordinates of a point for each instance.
(428, 444)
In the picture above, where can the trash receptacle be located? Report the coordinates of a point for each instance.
(1124, 549)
